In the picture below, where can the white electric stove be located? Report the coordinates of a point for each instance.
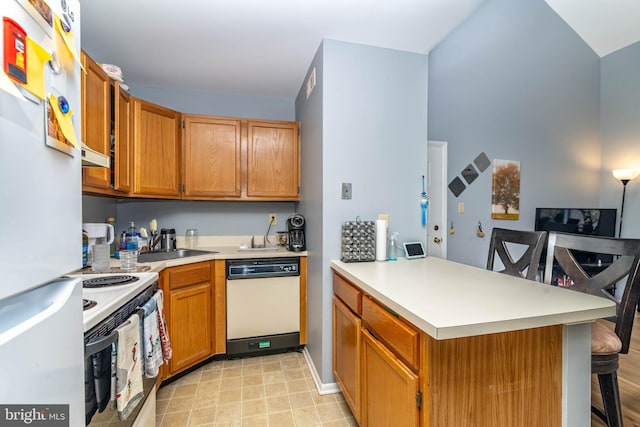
(103, 294)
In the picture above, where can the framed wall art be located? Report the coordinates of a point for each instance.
(505, 193)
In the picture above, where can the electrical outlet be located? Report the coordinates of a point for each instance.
(460, 207)
(273, 219)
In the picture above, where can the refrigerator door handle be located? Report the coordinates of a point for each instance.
(99, 344)
(24, 312)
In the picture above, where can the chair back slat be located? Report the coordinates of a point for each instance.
(533, 240)
(561, 256)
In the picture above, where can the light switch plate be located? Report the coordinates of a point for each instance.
(346, 191)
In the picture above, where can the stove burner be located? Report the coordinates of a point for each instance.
(104, 281)
(88, 303)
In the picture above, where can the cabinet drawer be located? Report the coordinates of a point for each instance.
(349, 294)
(189, 274)
(393, 331)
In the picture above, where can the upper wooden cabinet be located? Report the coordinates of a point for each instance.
(96, 120)
(239, 159)
(106, 128)
(156, 151)
(122, 127)
(212, 157)
(272, 160)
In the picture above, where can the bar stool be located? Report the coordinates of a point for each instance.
(530, 259)
(607, 342)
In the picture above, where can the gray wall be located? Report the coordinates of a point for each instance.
(309, 113)
(620, 121)
(371, 125)
(217, 104)
(514, 81)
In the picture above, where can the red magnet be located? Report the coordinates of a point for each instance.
(15, 51)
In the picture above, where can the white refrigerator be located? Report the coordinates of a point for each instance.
(41, 334)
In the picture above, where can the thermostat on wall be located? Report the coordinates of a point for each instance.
(414, 250)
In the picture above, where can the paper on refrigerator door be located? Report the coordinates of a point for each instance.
(67, 37)
(37, 56)
(64, 120)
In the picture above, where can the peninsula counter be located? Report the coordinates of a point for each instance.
(488, 348)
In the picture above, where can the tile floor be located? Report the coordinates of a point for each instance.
(274, 391)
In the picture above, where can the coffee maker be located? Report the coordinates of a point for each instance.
(295, 233)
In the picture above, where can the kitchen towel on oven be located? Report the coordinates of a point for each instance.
(162, 325)
(151, 337)
(128, 367)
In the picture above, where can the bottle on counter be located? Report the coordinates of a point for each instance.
(132, 237)
(85, 249)
(123, 241)
(393, 247)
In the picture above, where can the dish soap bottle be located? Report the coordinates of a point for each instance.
(132, 237)
(85, 249)
(393, 246)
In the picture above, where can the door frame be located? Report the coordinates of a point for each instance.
(434, 147)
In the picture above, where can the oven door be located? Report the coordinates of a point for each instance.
(100, 387)
(100, 353)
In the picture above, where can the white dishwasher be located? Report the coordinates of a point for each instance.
(263, 305)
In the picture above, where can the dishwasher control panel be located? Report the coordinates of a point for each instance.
(262, 267)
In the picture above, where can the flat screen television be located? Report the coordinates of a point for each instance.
(592, 222)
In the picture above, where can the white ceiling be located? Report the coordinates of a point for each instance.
(605, 25)
(264, 47)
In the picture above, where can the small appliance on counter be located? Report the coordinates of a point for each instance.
(168, 239)
(295, 231)
(99, 232)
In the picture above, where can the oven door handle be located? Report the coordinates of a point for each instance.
(99, 344)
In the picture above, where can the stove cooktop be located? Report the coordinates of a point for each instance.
(109, 298)
(105, 281)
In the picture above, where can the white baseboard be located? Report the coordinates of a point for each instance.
(329, 388)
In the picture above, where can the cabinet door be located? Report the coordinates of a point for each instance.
(156, 151)
(346, 354)
(122, 167)
(189, 329)
(96, 126)
(273, 160)
(389, 387)
(212, 157)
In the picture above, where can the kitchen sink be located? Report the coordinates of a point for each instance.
(170, 254)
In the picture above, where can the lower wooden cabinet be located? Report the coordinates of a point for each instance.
(393, 374)
(346, 354)
(191, 321)
(390, 390)
(194, 299)
(376, 360)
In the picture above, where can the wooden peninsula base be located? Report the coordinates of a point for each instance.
(397, 367)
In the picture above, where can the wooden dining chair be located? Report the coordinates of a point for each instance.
(502, 239)
(566, 254)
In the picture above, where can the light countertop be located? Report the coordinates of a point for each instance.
(218, 252)
(451, 300)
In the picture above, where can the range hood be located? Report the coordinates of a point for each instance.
(92, 159)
